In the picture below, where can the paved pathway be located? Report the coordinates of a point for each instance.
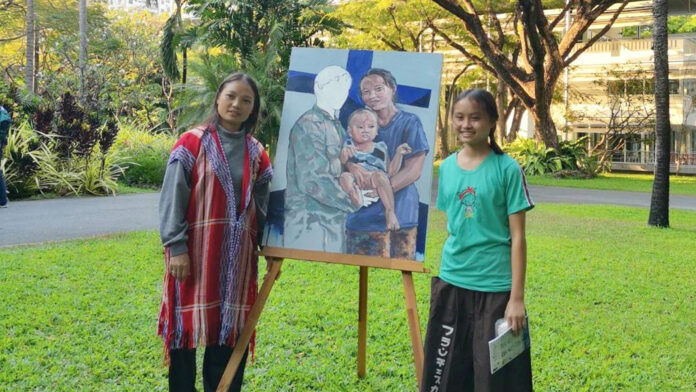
(548, 194)
(76, 217)
(59, 219)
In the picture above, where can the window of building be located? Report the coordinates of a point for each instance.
(639, 86)
(629, 32)
(673, 87)
(631, 87)
(636, 31)
(689, 86)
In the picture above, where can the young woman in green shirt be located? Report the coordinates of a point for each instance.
(484, 194)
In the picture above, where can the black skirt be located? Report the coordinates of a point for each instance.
(457, 358)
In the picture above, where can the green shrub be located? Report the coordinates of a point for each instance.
(534, 158)
(79, 175)
(147, 167)
(147, 154)
(34, 165)
(537, 159)
(19, 161)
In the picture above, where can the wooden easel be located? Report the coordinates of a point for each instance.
(407, 267)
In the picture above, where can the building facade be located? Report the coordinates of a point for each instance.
(619, 69)
(596, 80)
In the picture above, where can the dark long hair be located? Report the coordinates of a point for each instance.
(389, 79)
(487, 101)
(249, 125)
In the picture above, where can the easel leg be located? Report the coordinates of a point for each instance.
(413, 324)
(248, 330)
(362, 323)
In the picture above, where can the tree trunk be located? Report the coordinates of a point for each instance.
(444, 123)
(168, 92)
(443, 131)
(29, 68)
(444, 117)
(37, 63)
(659, 203)
(184, 65)
(500, 102)
(516, 121)
(545, 129)
(83, 46)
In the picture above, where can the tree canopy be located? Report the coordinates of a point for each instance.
(533, 68)
(241, 26)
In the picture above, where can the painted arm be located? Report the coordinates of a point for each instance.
(515, 312)
(398, 159)
(408, 174)
(362, 175)
(347, 152)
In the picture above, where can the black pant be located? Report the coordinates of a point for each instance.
(182, 369)
(456, 344)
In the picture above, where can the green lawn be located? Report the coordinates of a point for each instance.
(611, 305)
(678, 185)
(124, 189)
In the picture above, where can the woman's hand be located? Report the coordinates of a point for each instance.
(515, 316)
(180, 266)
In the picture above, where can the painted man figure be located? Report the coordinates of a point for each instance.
(315, 204)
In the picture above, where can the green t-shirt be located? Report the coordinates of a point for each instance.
(476, 255)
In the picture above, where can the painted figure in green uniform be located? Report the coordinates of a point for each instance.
(315, 204)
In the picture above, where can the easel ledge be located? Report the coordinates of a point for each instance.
(347, 259)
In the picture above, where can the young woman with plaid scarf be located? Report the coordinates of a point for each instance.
(212, 205)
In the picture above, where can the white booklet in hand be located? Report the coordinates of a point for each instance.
(506, 346)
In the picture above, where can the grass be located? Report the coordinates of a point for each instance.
(632, 182)
(611, 306)
(124, 189)
(678, 185)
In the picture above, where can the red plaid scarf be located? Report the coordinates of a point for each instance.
(211, 305)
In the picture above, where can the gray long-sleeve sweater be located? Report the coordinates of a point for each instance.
(176, 191)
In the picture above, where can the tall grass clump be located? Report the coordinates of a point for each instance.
(146, 152)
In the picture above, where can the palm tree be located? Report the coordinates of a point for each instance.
(83, 45)
(29, 69)
(659, 203)
(175, 38)
(196, 97)
(265, 65)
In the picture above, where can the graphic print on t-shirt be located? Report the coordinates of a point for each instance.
(468, 198)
